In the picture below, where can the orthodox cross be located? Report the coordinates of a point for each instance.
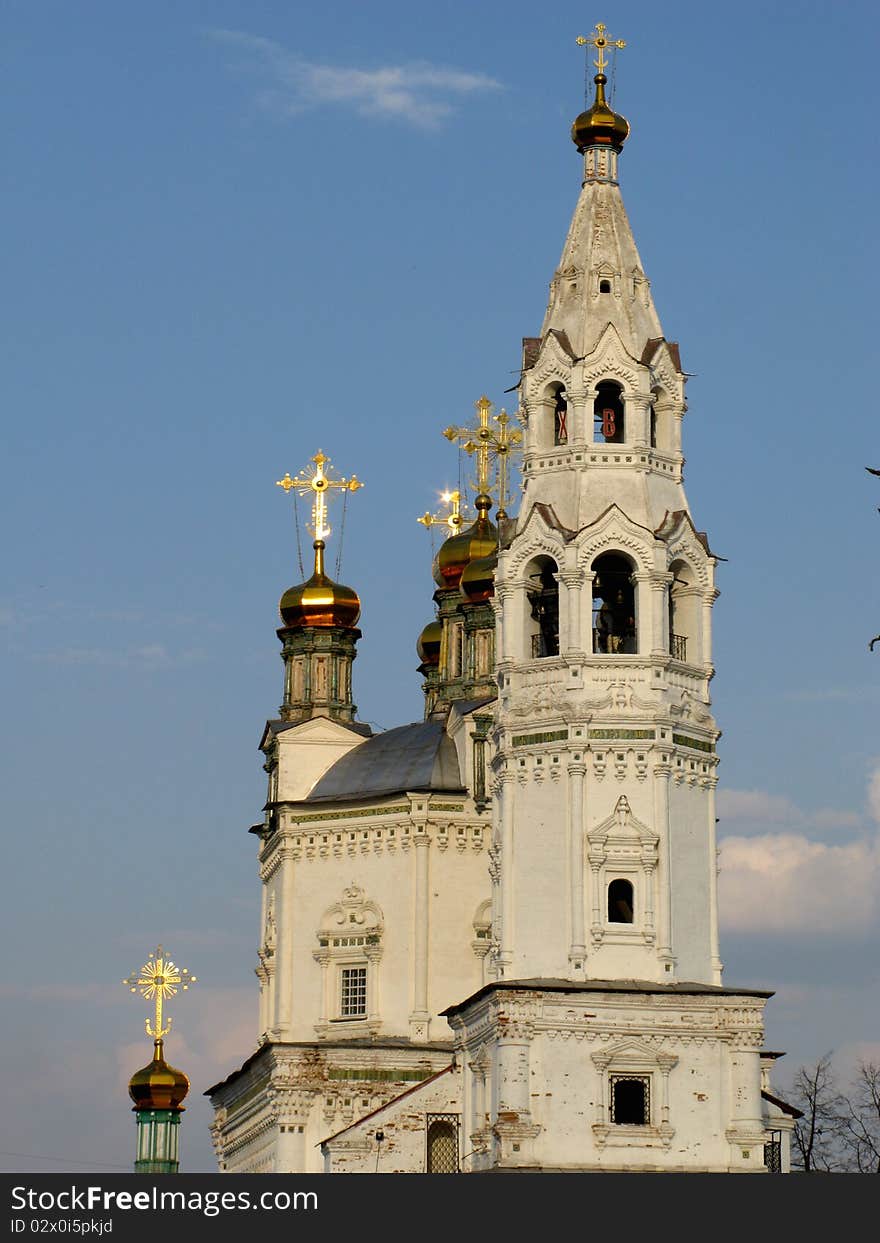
(319, 484)
(454, 519)
(158, 979)
(488, 445)
(600, 41)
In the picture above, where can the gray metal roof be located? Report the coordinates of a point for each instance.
(412, 757)
(683, 987)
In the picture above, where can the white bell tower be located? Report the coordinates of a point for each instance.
(605, 767)
(605, 1039)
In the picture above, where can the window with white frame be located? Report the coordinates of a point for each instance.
(349, 954)
(353, 992)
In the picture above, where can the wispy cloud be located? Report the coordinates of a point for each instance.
(146, 656)
(417, 92)
(864, 693)
(745, 808)
(786, 881)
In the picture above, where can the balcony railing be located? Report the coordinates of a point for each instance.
(542, 647)
(678, 646)
(605, 644)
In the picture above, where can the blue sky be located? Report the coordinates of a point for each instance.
(239, 232)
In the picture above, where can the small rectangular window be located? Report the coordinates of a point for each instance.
(631, 1100)
(353, 993)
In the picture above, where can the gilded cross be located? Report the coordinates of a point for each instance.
(489, 445)
(319, 484)
(158, 979)
(453, 518)
(600, 41)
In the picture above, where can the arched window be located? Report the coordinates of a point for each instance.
(542, 593)
(614, 605)
(442, 1136)
(608, 413)
(652, 427)
(620, 902)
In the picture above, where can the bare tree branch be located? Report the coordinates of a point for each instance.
(860, 1119)
(817, 1135)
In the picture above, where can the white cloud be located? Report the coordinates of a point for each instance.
(874, 794)
(782, 882)
(787, 882)
(755, 805)
(418, 93)
(747, 807)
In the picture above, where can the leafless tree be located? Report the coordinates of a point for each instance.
(860, 1119)
(818, 1146)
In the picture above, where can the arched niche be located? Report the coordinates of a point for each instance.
(685, 600)
(661, 422)
(620, 902)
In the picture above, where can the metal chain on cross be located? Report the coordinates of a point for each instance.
(341, 532)
(299, 551)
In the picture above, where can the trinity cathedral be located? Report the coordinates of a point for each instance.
(489, 939)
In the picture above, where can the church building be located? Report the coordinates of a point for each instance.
(490, 938)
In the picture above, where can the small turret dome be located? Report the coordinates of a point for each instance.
(428, 645)
(158, 1085)
(479, 540)
(320, 601)
(478, 580)
(599, 125)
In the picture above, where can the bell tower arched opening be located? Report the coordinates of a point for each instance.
(542, 596)
(555, 428)
(608, 413)
(614, 605)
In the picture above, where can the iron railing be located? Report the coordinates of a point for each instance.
(773, 1155)
(678, 646)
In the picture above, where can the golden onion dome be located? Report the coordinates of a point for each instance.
(599, 125)
(158, 1086)
(478, 580)
(428, 645)
(479, 540)
(320, 601)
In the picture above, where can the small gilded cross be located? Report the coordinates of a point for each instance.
(319, 484)
(454, 518)
(158, 979)
(600, 41)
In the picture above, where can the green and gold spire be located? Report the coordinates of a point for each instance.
(157, 1089)
(319, 601)
(319, 616)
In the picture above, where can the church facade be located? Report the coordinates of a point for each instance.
(490, 938)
